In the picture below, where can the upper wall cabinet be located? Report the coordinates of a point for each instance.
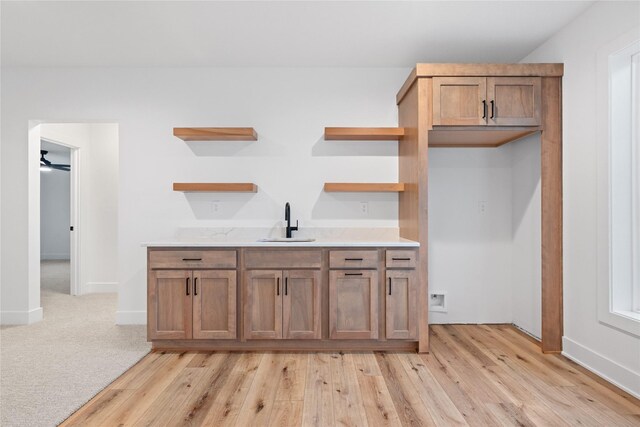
(486, 101)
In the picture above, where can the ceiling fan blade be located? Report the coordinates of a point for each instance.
(47, 163)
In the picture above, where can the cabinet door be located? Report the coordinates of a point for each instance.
(214, 304)
(459, 101)
(401, 309)
(301, 305)
(514, 101)
(353, 304)
(169, 304)
(263, 304)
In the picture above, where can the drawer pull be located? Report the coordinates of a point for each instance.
(192, 259)
(353, 274)
(401, 259)
(353, 259)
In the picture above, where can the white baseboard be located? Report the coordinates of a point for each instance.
(100, 287)
(21, 317)
(131, 318)
(55, 256)
(602, 366)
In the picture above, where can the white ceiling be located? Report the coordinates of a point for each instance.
(276, 33)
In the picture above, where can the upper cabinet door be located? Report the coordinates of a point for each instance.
(301, 308)
(514, 101)
(169, 305)
(459, 101)
(263, 304)
(214, 304)
(353, 304)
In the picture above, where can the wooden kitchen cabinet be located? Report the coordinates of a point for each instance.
(401, 304)
(191, 304)
(486, 101)
(169, 308)
(353, 304)
(282, 304)
(214, 304)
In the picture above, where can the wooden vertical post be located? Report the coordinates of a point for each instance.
(415, 116)
(551, 195)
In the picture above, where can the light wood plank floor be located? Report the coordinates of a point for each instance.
(474, 375)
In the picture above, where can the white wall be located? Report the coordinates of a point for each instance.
(97, 228)
(290, 162)
(55, 210)
(526, 217)
(613, 353)
(470, 246)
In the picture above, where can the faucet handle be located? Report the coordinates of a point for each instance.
(296, 227)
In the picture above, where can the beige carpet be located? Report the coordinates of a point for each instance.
(51, 368)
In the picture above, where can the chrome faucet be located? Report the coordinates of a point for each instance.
(287, 217)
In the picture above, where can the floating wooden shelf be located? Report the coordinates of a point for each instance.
(236, 187)
(343, 187)
(363, 134)
(216, 134)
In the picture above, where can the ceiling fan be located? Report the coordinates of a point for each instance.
(47, 165)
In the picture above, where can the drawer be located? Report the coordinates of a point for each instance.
(353, 259)
(192, 259)
(283, 259)
(401, 259)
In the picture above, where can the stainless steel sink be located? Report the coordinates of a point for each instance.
(286, 240)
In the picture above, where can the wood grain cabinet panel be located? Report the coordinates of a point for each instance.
(282, 304)
(190, 259)
(353, 259)
(186, 304)
(169, 305)
(263, 304)
(487, 101)
(401, 304)
(353, 304)
(214, 304)
(458, 101)
(301, 307)
(514, 101)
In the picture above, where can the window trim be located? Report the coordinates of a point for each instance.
(626, 320)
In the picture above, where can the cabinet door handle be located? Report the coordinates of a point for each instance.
(401, 259)
(192, 259)
(353, 259)
(286, 285)
(195, 286)
(389, 285)
(187, 286)
(493, 109)
(278, 286)
(353, 274)
(484, 108)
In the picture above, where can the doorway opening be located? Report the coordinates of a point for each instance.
(83, 159)
(57, 196)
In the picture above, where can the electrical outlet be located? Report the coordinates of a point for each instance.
(364, 208)
(215, 206)
(482, 207)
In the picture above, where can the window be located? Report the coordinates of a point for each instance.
(619, 184)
